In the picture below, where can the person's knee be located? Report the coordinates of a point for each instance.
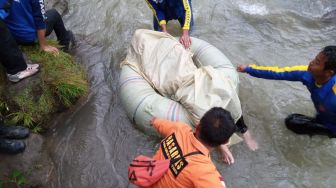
(298, 119)
(295, 123)
(53, 14)
(289, 119)
(156, 25)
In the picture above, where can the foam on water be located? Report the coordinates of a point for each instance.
(253, 9)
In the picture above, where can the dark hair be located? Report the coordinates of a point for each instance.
(216, 127)
(330, 53)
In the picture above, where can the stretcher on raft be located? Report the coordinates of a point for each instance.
(142, 102)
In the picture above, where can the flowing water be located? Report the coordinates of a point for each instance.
(93, 146)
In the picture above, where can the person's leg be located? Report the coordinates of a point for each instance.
(192, 17)
(55, 23)
(301, 124)
(10, 55)
(249, 140)
(156, 25)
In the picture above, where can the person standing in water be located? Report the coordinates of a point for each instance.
(165, 10)
(320, 79)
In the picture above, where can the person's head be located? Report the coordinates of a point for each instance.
(324, 64)
(216, 127)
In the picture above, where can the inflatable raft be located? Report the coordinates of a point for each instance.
(142, 102)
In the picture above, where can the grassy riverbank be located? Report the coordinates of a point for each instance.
(33, 101)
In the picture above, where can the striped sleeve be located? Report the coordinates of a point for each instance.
(187, 14)
(294, 73)
(157, 12)
(38, 13)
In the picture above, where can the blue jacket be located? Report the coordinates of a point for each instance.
(165, 10)
(3, 11)
(25, 18)
(324, 97)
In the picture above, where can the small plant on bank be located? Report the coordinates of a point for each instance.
(16, 179)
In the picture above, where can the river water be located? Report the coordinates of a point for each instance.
(92, 146)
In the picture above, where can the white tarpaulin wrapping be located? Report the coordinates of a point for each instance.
(169, 68)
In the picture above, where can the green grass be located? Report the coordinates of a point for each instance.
(15, 179)
(61, 83)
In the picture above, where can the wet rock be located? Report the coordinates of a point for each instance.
(14, 90)
(35, 100)
(34, 163)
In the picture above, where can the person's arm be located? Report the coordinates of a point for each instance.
(225, 154)
(293, 73)
(209, 178)
(43, 43)
(38, 12)
(185, 38)
(164, 28)
(158, 14)
(163, 126)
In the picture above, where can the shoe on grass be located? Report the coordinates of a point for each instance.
(30, 70)
(33, 66)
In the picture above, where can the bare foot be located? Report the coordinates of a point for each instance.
(251, 143)
(225, 154)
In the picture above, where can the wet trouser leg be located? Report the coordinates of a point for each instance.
(301, 124)
(156, 25)
(55, 23)
(241, 126)
(10, 55)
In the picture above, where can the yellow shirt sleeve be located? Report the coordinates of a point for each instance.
(187, 10)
